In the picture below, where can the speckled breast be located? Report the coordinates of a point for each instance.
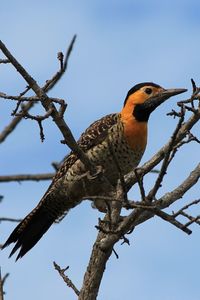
(114, 154)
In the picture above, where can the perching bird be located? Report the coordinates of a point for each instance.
(119, 137)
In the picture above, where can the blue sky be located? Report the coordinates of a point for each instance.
(119, 44)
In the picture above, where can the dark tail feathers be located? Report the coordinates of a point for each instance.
(29, 231)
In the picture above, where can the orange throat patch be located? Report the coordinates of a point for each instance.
(135, 132)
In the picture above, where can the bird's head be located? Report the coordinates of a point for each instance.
(144, 98)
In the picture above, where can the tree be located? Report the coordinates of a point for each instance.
(114, 227)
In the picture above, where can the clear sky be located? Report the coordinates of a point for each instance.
(119, 44)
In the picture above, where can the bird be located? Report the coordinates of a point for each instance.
(116, 142)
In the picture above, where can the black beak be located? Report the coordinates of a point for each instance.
(143, 111)
(158, 99)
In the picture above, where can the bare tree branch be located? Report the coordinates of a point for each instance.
(180, 211)
(139, 216)
(63, 66)
(46, 88)
(28, 99)
(26, 177)
(114, 227)
(170, 197)
(166, 159)
(4, 61)
(140, 183)
(2, 219)
(172, 220)
(2, 282)
(46, 102)
(192, 219)
(1, 287)
(100, 255)
(95, 269)
(105, 241)
(66, 278)
(13, 124)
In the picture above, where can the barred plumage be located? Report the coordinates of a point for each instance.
(119, 137)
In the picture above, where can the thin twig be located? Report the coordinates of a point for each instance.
(172, 220)
(37, 118)
(115, 252)
(1, 287)
(9, 219)
(4, 61)
(140, 184)
(166, 160)
(195, 202)
(170, 197)
(193, 85)
(121, 177)
(13, 124)
(66, 278)
(192, 219)
(2, 282)
(63, 67)
(28, 99)
(60, 57)
(26, 177)
(4, 278)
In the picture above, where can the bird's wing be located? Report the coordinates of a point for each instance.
(96, 132)
(92, 136)
(31, 229)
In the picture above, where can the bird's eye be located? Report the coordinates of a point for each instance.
(148, 91)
